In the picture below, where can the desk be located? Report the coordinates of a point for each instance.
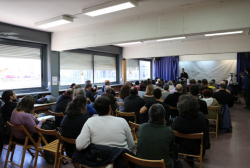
(43, 108)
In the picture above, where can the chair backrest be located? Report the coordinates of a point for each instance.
(21, 128)
(143, 162)
(88, 99)
(120, 103)
(215, 108)
(126, 114)
(68, 140)
(173, 108)
(189, 136)
(61, 114)
(134, 125)
(42, 132)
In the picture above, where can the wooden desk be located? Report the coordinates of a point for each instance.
(43, 108)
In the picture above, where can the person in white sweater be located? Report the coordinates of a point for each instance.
(105, 129)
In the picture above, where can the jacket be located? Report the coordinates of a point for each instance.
(245, 82)
(226, 125)
(100, 155)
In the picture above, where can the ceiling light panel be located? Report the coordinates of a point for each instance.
(110, 7)
(170, 39)
(122, 44)
(54, 22)
(226, 33)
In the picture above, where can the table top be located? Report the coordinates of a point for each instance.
(46, 104)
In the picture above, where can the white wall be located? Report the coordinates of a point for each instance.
(207, 16)
(208, 57)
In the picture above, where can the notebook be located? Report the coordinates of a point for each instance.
(48, 117)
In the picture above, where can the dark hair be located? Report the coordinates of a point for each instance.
(226, 81)
(92, 89)
(88, 85)
(204, 81)
(156, 114)
(157, 93)
(108, 89)
(199, 81)
(173, 81)
(223, 86)
(202, 88)
(248, 69)
(159, 83)
(87, 81)
(153, 82)
(6, 95)
(133, 91)
(188, 106)
(101, 105)
(136, 82)
(72, 85)
(142, 87)
(166, 86)
(207, 93)
(145, 82)
(78, 86)
(76, 106)
(183, 68)
(124, 91)
(194, 90)
(26, 104)
(213, 80)
(69, 91)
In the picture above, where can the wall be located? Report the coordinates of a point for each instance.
(208, 57)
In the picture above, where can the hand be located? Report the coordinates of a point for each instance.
(43, 120)
(36, 115)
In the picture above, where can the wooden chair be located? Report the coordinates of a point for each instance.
(142, 162)
(216, 109)
(25, 146)
(133, 127)
(126, 114)
(61, 114)
(88, 99)
(192, 136)
(62, 157)
(119, 104)
(51, 147)
(173, 108)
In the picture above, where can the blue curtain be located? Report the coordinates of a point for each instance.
(242, 63)
(167, 68)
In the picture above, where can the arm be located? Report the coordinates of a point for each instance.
(143, 110)
(29, 123)
(91, 110)
(113, 92)
(187, 76)
(91, 97)
(83, 140)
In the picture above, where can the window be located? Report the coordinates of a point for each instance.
(104, 68)
(75, 68)
(132, 69)
(20, 67)
(145, 69)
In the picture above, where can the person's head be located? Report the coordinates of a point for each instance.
(78, 86)
(173, 81)
(223, 85)
(79, 92)
(88, 81)
(69, 92)
(211, 83)
(188, 106)
(199, 81)
(202, 88)
(226, 82)
(77, 106)
(108, 89)
(133, 91)
(170, 83)
(88, 86)
(145, 82)
(102, 105)
(142, 87)
(159, 84)
(26, 104)
(166, 87)
(153, 82)
(204, 82)
(156, 114)
(107, 82)
(247, 70)
(124, 91)
(9, 96)
(195, 90)
(182, 70)
(193, 81)
(207, 93)
(157, 93)
(213, 80)
(73, 85)
(179, 88)
(165, 81)
(150, 89)
(137, 83)
(128, 83)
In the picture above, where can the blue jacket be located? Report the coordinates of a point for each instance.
(226, 125)
(245, 82)
(91, 110)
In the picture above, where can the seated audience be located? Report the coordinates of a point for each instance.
(146, 83)
(72, 86)
(211, 85)
(78, 86)
(73, 121)
(158, 100)
(155, 139)
(137, 85)
(88, 92)
(94, 90)
(10, 103)
(174, 89)
(87, 82)
(149, 93)
(142, 90)
(228, 87)
(159, 85)
(190, 121)
(222, 96)
(111, 97)
(199, 82)
(171, 85)
(194, 90)
(61, 104)
(204, 82)
(142, 87)
(128, 83)
(166, 92)
(110, 131)
(173, 99)
(90, 110)
(107, 83)
(123, 94)
(133, 103)
(214, 83)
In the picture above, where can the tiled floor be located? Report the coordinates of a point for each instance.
(230, 150)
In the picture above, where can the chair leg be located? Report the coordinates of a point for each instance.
(60, 158)
(37, 150)
(12, 152)
(7, 156)
(24, 151)
(76, 166)
(217, 125)
(200, 162)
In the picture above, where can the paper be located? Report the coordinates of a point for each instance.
(54, 80)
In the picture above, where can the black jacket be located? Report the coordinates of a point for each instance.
(223, 97)
(172, 100)
(133, 103)
(7, 109)
(184, 75)
(101, 155)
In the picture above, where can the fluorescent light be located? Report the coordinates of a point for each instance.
(137, 42)
(170, 39)
(226, 33)
(54, 22)
(110, 7)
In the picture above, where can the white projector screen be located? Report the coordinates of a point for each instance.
(218, 70)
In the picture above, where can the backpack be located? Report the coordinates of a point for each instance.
(50, 99)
